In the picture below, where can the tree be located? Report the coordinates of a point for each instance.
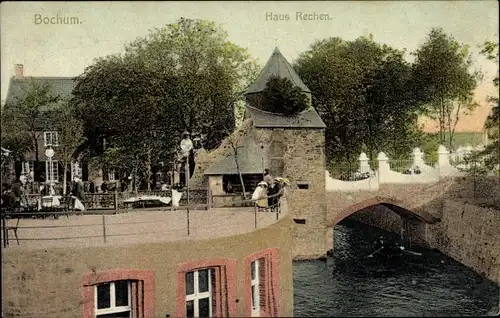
(444, 81)
(25, 120)
(185, 76)
(361, 90)
(234, 144)
(492, 124)
(70, 135)
(283, 97)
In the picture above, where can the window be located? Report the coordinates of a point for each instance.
(199, 293)
(255, 288)
(113, 299)
(51, 138)
(111, 176)
(27, 167)
(118, 293)
(76, 170)
(206, 288)
(51, 172)
(262, 284)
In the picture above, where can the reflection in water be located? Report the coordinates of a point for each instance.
(351, 284)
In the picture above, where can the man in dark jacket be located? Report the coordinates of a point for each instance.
(79, 190)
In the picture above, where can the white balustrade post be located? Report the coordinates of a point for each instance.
(418, 158)
(443, 157)
(383, 167)
(364, 166)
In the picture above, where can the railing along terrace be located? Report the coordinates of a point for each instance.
(78, 227)
(403, 166)
(349, 172)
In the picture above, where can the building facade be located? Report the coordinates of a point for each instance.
(291, 147)
(43, 169)
(247, 274)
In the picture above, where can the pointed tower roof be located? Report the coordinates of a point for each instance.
(277, 65)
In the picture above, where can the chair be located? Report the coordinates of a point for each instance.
(66, 205)
(13, 229)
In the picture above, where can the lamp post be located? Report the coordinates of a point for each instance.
(49, 153)
(186, 146)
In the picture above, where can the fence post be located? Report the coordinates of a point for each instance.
(278, 207)
(255, 215)
(115, 196)
(104, 226)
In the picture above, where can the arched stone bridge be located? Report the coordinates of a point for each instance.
(418, 202)
(397, 206)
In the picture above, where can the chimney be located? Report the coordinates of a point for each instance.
(19, 71)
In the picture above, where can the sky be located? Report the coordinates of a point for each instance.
(97, 29)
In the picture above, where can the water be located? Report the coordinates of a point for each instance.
(350, 284)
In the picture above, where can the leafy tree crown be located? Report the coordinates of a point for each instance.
(283, 97)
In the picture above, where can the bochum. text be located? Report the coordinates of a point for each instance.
(39, 19)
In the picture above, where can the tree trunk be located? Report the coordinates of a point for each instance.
(442, 138)
(36, 166)
(148, 168)
(64, 178)
(239, 174)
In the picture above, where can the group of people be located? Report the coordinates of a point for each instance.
(266, 193)
(15, 195)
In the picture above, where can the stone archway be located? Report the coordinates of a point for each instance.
(396, 206)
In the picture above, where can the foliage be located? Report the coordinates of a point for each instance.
(492, 151)
(443, 81)
(283, 97)
(361, 90)
(15, 135)
(185, 76)
(24, 120)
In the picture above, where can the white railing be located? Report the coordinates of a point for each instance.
(415, 170)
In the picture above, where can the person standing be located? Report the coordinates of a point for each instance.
(79, 191)
(268, 178)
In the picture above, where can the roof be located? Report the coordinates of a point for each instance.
(277, 65)
(62, 86)
(308, 118)
(251, 158)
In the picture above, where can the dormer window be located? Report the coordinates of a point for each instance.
(51, 138)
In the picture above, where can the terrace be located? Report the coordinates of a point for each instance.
(132, 226)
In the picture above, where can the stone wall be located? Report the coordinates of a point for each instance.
(469, 234)
(205, 159)
(304, 160)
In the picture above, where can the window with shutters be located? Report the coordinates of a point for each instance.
(262, 284)
(119, 293)
(206, 288)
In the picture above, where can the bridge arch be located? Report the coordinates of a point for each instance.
(396, 206)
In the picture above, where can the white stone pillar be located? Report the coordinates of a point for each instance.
(443, 157)
(364, 166)
(383, 167)
(418, 158)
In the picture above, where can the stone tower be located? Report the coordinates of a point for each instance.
(295, 149)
